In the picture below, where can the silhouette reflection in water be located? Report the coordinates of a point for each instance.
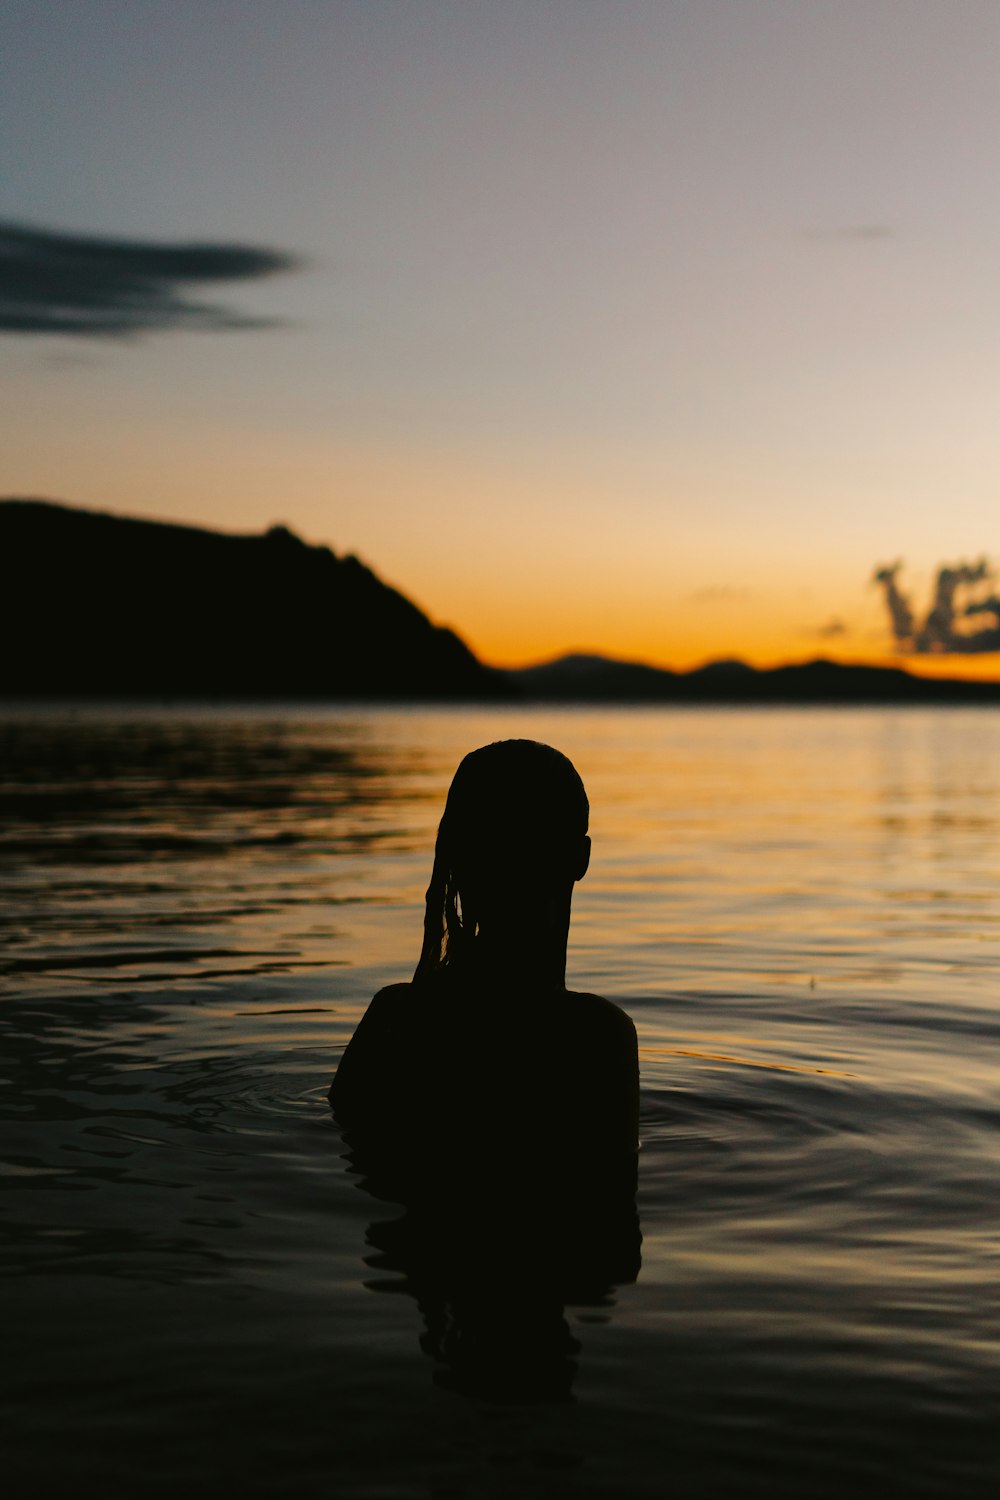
(498, 1108)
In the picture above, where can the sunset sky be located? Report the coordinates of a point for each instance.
(645, 328)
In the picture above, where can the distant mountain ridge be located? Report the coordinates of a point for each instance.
(93, 604)
(97, 605)
(581, 678)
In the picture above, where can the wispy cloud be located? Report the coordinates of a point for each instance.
(830, 630)
(87, 286)
(963, 593)
(849, 232)
(719, 593)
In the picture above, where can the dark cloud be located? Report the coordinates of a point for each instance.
(87, 286)
(900, 613)
(944, 631)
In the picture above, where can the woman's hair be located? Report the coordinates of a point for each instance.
(513, 824)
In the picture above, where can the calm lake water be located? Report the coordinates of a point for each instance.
(799, 908)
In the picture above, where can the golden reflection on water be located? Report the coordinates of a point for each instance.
(799, 909)
(742, 1062)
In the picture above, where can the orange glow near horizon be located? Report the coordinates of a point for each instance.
(982, 668)
(525, 559)
(760, 652)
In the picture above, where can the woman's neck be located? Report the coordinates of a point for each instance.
(520, 955)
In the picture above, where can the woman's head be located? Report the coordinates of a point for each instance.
(512, 841)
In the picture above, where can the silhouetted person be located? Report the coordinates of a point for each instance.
(486, 1048)
(497, 1106)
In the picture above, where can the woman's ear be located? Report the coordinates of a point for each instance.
(583, 863)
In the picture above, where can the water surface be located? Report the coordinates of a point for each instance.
(799, 908)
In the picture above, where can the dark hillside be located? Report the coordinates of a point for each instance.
(100, 605)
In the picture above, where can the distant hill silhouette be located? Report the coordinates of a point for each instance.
(601, 679)
(100, 605)
(95, 605)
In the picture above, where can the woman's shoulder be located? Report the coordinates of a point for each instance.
(600, 1012)
(391, 997)
(376, 1039)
